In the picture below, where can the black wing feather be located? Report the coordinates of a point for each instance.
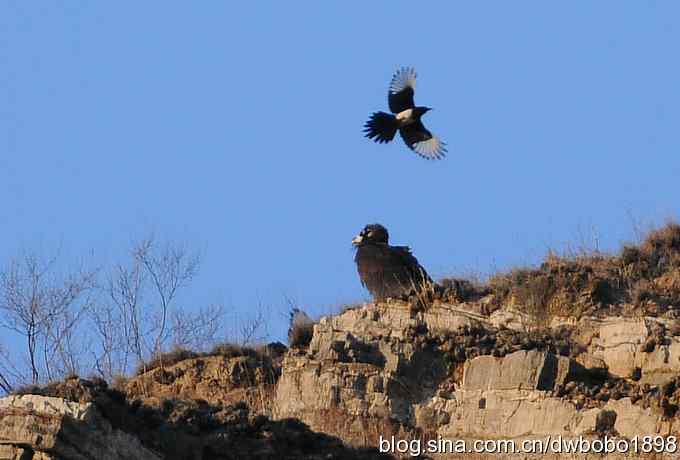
(381, 127)
(402, 86)
(401, 101)
(421, 141)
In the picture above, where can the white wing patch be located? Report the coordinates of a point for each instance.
(431, 149)
(403, 78)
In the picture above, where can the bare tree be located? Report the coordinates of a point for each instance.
(139, 317)
(68, 322)
(169, 269)
(45, 309)
(118, 321)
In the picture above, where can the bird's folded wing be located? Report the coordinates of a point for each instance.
(402, 86)
(421, 141)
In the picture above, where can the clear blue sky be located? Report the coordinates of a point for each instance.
(236, 126)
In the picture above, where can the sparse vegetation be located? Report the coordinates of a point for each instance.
(462, 290)
(641, 279)
(228, 350)
(135, 324)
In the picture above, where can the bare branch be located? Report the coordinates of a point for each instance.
(197, 330)
(44, 310)
(138, 317)
(253, 330)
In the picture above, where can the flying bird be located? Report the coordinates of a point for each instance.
(405, 118)
(387, 271)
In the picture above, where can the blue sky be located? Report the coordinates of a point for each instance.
(236, 127)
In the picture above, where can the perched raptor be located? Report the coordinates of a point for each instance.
(387, 271)
(405, 118)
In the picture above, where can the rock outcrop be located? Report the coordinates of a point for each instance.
(449, 372)
(85, 420)
(42, 427)
(579, 346)
(370, 373)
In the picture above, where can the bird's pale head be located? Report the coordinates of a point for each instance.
(372, 233)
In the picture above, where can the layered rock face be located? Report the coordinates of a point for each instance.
(384, 370)
(45, 428)
(446, 371)
(161, 417)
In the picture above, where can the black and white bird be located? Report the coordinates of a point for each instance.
(387, 271)
(405, 118)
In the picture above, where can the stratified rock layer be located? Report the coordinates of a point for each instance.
(383, 370)
(40, 427)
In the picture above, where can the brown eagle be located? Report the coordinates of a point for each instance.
(387, 271)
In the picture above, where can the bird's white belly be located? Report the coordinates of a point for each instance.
(405, 118)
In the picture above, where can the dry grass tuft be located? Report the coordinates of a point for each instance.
(262, 353)
(643, 277)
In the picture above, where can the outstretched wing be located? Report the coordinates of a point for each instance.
(421, 141)
(400, 95)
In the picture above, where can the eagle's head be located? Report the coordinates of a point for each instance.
(372, 233)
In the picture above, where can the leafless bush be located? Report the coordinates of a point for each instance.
(250, 329)
(45, 308)
(167, 358)
(140, 317)
(197, 330)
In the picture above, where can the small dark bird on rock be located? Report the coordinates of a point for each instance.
(300, 329)
(382, 126)
(387, 271)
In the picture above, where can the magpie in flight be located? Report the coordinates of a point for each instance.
(387, 271)
(405, 118)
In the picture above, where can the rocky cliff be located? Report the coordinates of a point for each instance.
(586, 346)
(449, 372)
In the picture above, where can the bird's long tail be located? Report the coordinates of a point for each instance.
(381, 127)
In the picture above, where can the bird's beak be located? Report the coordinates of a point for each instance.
(357, 240)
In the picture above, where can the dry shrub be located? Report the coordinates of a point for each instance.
(652, 268)
(462, 290)
(168, 358)
(28, 390)
(658, 253)
(572, 285)
(560, 286)
(74, 389)
(264, 353)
